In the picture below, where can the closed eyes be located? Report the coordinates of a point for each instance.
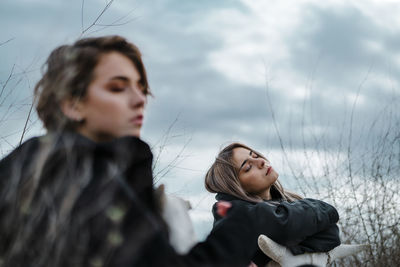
(248, 168)
(117, 89)
(120, 83)
(247, 163)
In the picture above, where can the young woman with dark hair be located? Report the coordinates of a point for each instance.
(82, 195)
(243, 176)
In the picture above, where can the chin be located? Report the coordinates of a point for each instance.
(134, 133)
(275, 174)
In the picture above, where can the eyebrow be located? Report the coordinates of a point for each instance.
(244, 162)
(122, 78)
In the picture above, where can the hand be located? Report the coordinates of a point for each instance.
(282, 256)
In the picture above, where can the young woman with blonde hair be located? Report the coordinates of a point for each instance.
(244, 177)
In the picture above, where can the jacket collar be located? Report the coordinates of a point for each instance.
(226, 197)
(125, 149)
(223, 196)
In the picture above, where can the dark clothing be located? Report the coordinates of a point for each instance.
(68, 201)
(306, 225)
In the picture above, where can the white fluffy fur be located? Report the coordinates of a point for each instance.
(181, 232)
(284, 258)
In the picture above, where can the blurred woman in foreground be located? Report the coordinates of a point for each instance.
(82, 194)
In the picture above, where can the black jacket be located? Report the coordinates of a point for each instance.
(68, 201)
(306, 225)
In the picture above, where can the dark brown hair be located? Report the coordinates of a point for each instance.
(69, 70)
(223, 177)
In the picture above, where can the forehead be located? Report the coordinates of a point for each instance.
(240, 154)
(115, 64)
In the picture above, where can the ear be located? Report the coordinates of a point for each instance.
(72, 109)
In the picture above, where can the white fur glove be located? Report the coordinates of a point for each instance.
(282, 256)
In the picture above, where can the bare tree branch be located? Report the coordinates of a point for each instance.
(6, 82)
(108, 4)
(83, 4)
(9, 40)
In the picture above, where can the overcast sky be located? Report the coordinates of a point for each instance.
(223, 71)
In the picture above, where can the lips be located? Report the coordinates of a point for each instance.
(268, 170)
(138, 120)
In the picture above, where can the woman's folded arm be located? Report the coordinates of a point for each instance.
(289, 223)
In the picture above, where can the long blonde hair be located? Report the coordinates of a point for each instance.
(223, 177)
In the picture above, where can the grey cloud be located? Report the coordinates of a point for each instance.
(213, 106)
(337, 36)
(176, 43)
(330, 48)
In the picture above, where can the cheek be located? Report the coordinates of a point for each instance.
(109, 104)
(247, 183)
(243, 182)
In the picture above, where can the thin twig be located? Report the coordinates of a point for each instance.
(6, 82)
(83, 4)
(29, 113)
(98, 17)
(113, 24)
(165, 138)
(26, 121)
(9, 40)
(163, 172)
(349, 161)
(271, 110)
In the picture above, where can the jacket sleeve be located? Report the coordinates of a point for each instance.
(291, 223)
(231, 243)
(323, 241)
(222, 247)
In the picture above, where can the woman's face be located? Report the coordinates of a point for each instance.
(255, 173)
(114, 103)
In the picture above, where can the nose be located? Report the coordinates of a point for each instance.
(137, 98)
(260, 163)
